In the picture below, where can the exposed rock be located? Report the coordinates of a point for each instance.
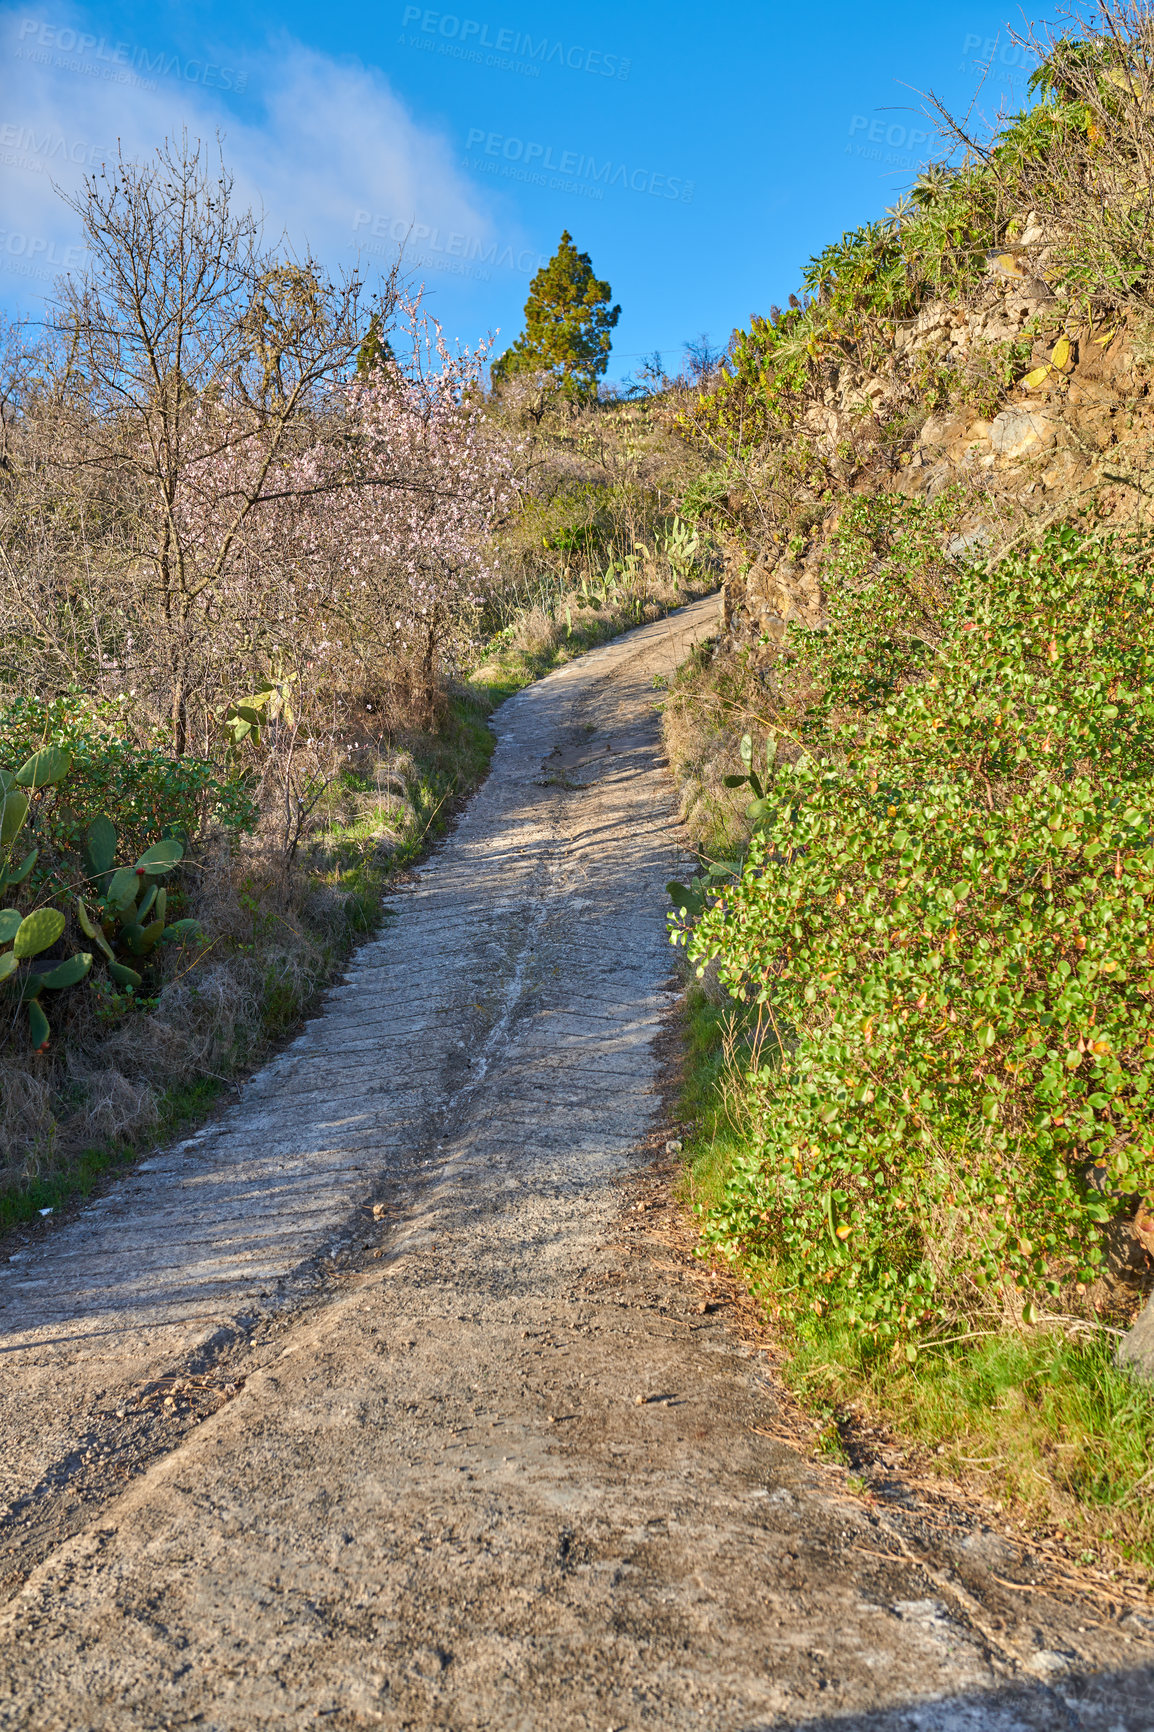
(1016, 432)
(1066, 420)
(971, 542)
(1137, 1348)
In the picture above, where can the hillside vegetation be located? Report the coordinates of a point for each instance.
(919, 766)
(272, 553)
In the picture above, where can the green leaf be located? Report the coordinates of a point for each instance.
(38, 932)
(123, 887)
(91, 928)
(162, 857)
(100, 846)
(141, 939)
(44, 767)
(687, 902)
(20, 873)
(182, 930)
(123, 975)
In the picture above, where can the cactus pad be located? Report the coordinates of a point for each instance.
(122, 890)
(44, 767)
(37, 931)
(12, 816)
(100, 846)
(21, 872)
(68, 973)
(91, 928)
(162, 857)
(38, 1027)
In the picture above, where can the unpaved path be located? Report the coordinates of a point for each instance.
(478, 1460)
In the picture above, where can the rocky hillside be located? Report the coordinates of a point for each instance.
(1069, 438)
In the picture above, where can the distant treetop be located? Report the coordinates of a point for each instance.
(568, 319)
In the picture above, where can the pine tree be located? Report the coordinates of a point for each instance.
(567, 324)
(376, 351)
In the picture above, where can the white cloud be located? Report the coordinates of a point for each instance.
(326, 149)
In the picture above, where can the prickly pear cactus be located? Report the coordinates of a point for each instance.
(123, 914)
(31, 934)
(126, 912)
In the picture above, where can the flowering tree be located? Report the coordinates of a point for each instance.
(427, 484)
(372, 542)
(192, 368)
(254, 490)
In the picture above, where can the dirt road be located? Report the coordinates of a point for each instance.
(362, 1408)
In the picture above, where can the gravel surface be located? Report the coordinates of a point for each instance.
(378, 1404)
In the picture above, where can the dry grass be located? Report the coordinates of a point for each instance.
(106, 1077)
(276, 930)
(548, 636)
(716, 698)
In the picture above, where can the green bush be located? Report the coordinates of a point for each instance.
(145, 791)
(126, 907)
(945, 916)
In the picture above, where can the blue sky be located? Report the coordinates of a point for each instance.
(700, 155)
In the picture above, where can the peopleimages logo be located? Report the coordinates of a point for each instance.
(36, 256)
(893, 134)
(122, 62)
(40, 150)
(472, 35)
(466, 250)
(1011, 64)
(994, 51)
(572, 171)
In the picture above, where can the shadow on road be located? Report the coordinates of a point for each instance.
(1116, 1701)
